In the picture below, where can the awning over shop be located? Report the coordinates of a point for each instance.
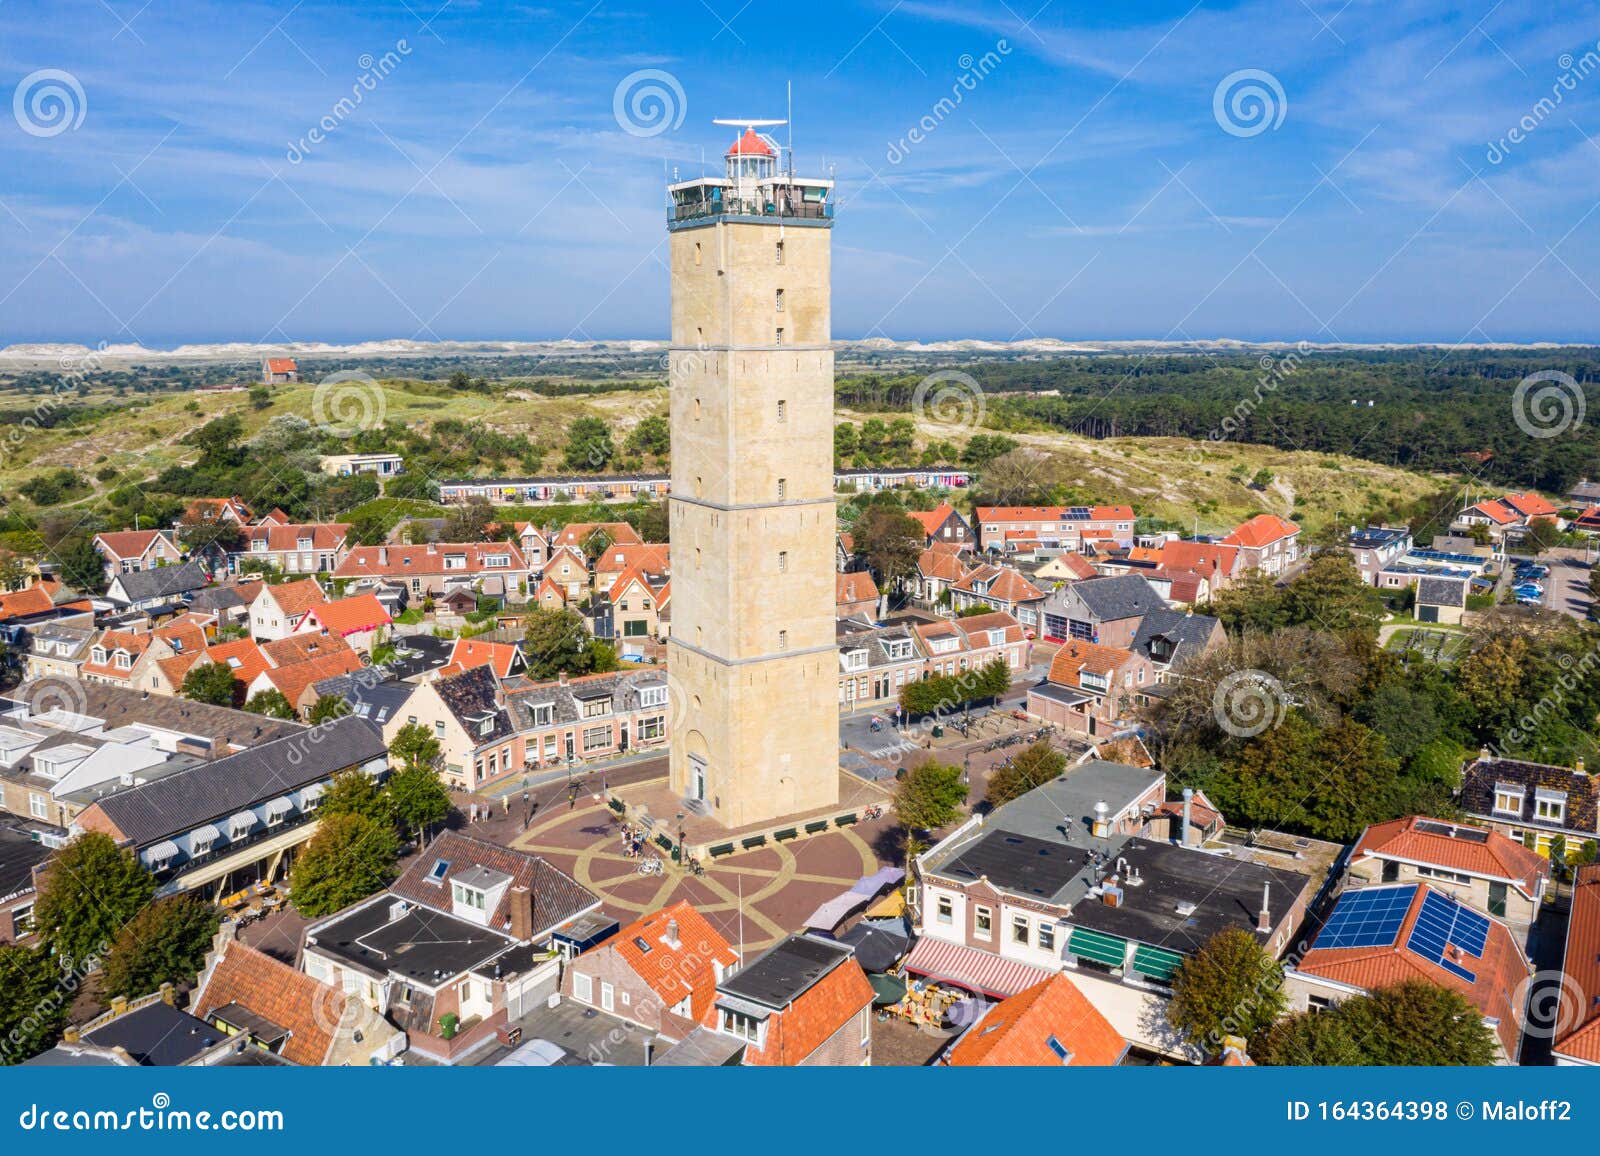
(1156, 963)
(278, 808)
(312, 793)
(977, 971)
(207, 836)
(164, 852)
(1098, 946)
(241, 824)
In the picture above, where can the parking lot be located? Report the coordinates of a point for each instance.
(1566, 588)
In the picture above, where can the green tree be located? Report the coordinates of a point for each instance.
(929, 796)
(589, 447)
(89, 891)
(556, 640)
(1330, 594)
(415, 746)
(1253, 602)
(469, 521)
(1230, 987)
(1035, 766)
(353, 792)
(210, 682)
(418, 799)
(349, 858)
(166, 942)
(891, 541)
(328, 707)
(652, 436)
(34, 999)
(844, 442)
(1263, 478)
(270, 702)
(1411, 1024)
(218, 439)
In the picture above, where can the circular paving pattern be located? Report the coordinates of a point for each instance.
(775, 888)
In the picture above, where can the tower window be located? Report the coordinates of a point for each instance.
(697, 409)
(779, 251)
(779, 340)
(783, 640)
(783, 410)
(778, 300)
(783, 561)
(783, 487)
(697, 252)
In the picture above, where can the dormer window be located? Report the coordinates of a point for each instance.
(1550, 806)
(467, 897)
(855, 660)
(544, 715)
(1508, 799)
(653, 696)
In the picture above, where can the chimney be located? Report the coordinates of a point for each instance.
(1102, 820)
(1264, 920)
(1188, 811)
(671, 937)
(168, 994)
(1579, 766)
(521, 914)
(119, 1005)
(561, 677)
(383, 555)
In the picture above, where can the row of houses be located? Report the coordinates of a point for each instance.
(634, 487)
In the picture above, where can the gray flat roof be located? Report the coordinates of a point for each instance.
(784, 972)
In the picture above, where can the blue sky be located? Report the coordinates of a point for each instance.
(1084, 187)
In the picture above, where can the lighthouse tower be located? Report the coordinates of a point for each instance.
(751, 661)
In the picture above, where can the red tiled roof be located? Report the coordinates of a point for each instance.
(1530, 505)
(942, 564)
(808, 1023)
(295, 598)
(470, 652)
(1076, 656)
(292, 680)
(1496, 857)
(285, 537)
(1497, 511)
(128, 543)
(301, 647)
(1004, 583)
(1500, 974)
(1017, 1031)
(288, 998)
(34, 600)
(364, 561)
(1578, 1014)
(931, 520)
(854, 587)
(1205, 557)
(1261, 530)
(243, 652)
(212, 509)
(280, 365)
(134, 642)
(654, 557)
(673, 973)
(576, 534)
(994, 620)
(348, 615)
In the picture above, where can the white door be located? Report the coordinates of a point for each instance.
(607, 996)
(697, 775)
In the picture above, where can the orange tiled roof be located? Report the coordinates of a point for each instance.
(1075, 657)
(931, 520)
(856, 587)
(128, 543)
(242, 656)
(34, 600)
(292, 680)
(1261, 530)
(1500, 973)
(654, 557)
(350, 615)
(400, 561)
(807, 1023)
(1017, 1031)
(1003, 583)
(285, 537)
(1530, 505)
(1497, 856)
(281, 365)
(675, 973)
(1581, 1038)
(301, 647)
(278, 993)
(134, 642)
(576, 534)
(994, 620)
(470, 652)
(295, 598)
(942, 564)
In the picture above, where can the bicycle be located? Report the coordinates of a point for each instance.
(650, 866)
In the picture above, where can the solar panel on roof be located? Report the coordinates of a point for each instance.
(1367, 918)
(1443, 923)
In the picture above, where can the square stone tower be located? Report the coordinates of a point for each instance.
(751, 660)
